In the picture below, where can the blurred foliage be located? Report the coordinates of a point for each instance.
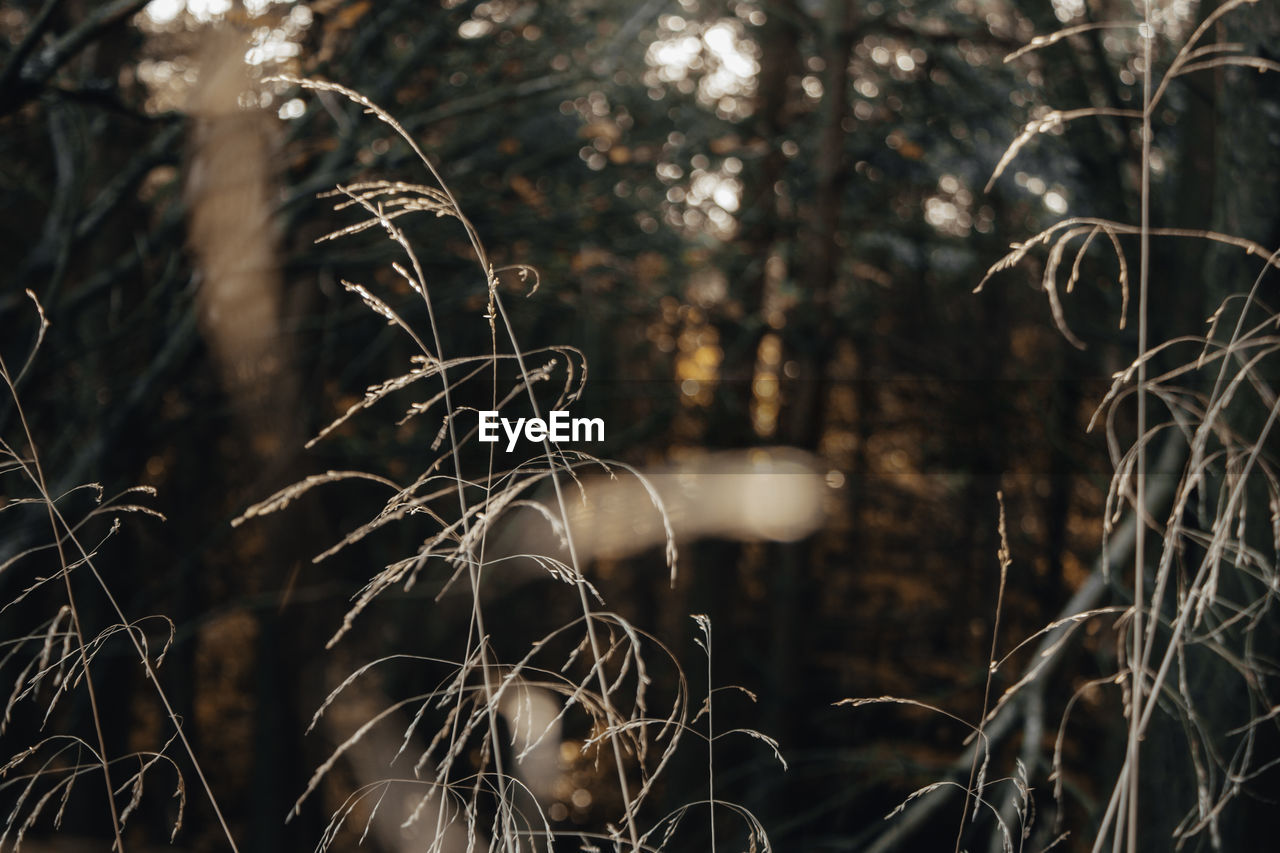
(762, 223)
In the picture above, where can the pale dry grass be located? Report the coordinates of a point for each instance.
(56, 657)
(1199, 605)
(467, 786)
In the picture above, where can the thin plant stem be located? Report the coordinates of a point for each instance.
(54, 518)
(588, 616)
(1005, 561)
(1139, 551)
(57, 520)
(711, 738)
(472, 566)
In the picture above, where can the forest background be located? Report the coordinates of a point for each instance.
(762, 223)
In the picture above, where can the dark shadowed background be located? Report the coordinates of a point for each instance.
(761, 222)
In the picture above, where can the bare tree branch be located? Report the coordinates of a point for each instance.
(22, 82)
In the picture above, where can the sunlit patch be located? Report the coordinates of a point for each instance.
(698, 358)
(202, 11)
(164, 11)
(474, 29)
(292, 108)
(493, 16)
(274, 42)
(717, 61)
(718, 64)
(939, 212)
(675, 57)
(765, 400)
(1055, 202)
(950, 210)
(736, 60)
(1067, 10)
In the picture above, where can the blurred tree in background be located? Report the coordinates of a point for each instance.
(761, 220)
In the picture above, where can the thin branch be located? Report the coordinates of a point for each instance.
(31, 77)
